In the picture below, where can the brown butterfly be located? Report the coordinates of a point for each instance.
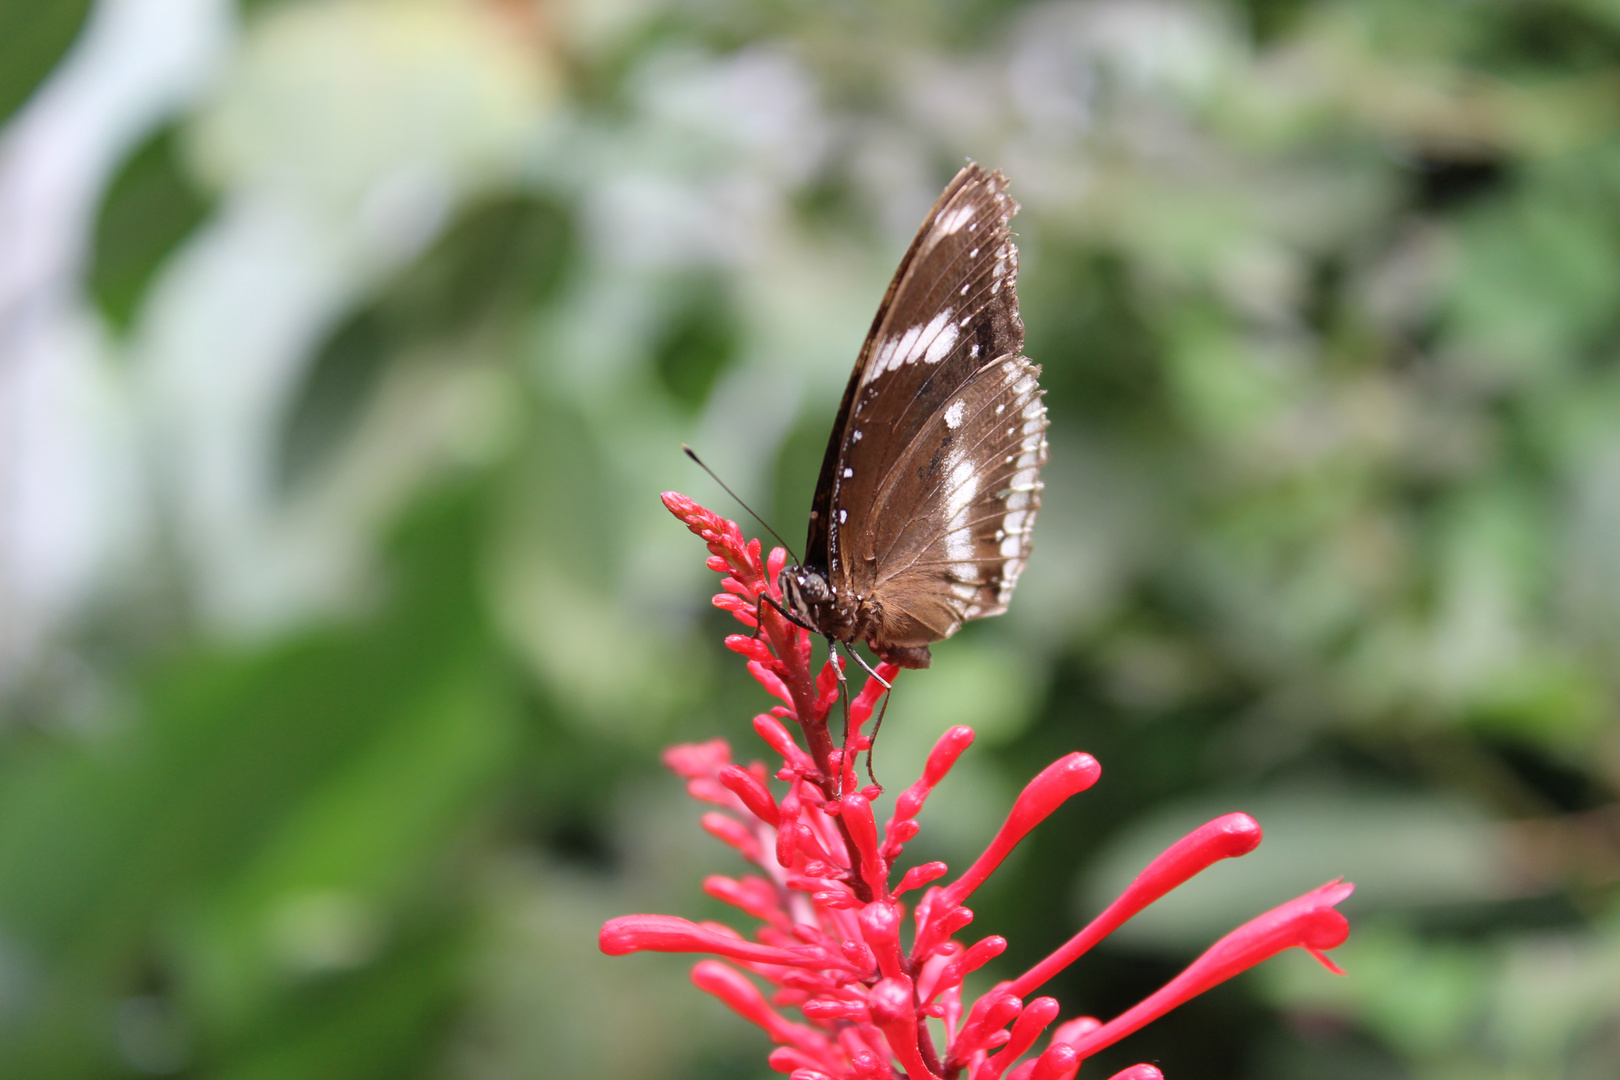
(931, 480)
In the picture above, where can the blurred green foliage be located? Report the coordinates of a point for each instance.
(149, 208)
(332, 758)
(33, 37)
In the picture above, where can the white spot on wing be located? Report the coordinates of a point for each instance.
(1009, 577)
(930, 342)
(953, 415)
(959, 541)
(1021, 495)
(962, 486)
(940, 347)
(952, 220)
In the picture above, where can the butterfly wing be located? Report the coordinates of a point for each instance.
(949, 310)
(956, 512)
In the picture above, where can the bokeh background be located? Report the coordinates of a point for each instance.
(346, 346)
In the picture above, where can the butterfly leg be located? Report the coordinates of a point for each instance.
(869, 670)
(767, 598)
(887, 686)
(873, 744)
(759, 623)
(843, 693)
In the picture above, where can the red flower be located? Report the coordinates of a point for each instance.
(829, 934)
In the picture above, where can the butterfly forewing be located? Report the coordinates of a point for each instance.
(950, 308)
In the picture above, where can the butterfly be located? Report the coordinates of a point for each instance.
(929, 488)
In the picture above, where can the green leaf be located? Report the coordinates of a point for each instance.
(34, 34)
(150, 208)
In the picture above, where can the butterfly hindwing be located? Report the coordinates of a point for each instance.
(952, 523)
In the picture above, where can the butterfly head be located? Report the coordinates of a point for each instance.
(807, 595)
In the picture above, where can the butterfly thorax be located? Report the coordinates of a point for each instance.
(812, 602)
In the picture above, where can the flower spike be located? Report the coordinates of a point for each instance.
(829, 925)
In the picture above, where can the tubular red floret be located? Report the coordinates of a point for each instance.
(669, 933)
(890, 1003)
(989, 1015)
(744, 998)
(689, 760)
(1059, 1062)
(880, 926)
(830, 1009)
(1308, 922)
(1224, 838)
(946, 750)
(856, 813)
(751, 647)
(971, 959)
(777, 738)
(1025, 1030)
(862, 704)
(796, 1063)
(919, 876)
(1070, 1030)
(1069, 775)
(730, 831)
(750, 895)
(754, 795)
(772, 683)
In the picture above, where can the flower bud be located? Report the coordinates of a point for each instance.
(754, 795)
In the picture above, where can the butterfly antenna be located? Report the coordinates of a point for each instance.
(693, 455)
